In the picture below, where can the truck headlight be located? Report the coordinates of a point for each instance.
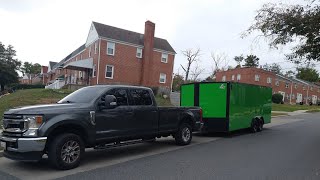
(33, 122)
(32, 125)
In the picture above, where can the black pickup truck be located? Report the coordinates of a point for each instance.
(96, 116)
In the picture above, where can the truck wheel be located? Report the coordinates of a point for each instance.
(260, 125)
(254, 126)
(65, 151)
(184, 135)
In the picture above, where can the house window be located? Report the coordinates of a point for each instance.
(277, 83)
(94, 70)
(232, 77)
(238, 77)
(110, 48)
(109, 71)
(80, 74)
(311, 88)
(95, 48)
(223, 78)
(304, 88)
(292, 96)
(269, 80)
(164, 58)
(257, 77)
(287, 85)
(296, 86)
(77, 58)
(90, 51)
(162, 78)
(139, 53)
(80, 56)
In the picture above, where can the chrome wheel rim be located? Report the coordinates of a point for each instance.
(70, 151)
(186, 134)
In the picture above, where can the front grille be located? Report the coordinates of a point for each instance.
(13, 125)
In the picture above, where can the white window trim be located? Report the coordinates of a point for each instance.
(232, 78)
(114, 48)
(167, 56)
(257, 77)
(94, 71)
(140, 53)
(105, 73)
(165, 78)
(238, 77)
(224, 78)
(95, 48)
(269, 80)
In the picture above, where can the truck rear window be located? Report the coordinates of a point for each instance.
(141, 97)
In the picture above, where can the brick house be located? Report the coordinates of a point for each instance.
(112, 55)
(294, 90)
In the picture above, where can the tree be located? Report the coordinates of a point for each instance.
(289, 73)
(274, 67)
(282, 24)
(251, 61)
(239, 59)
(220, 62)
(192, 56)
(8, 66)
(177, 82)
(308, 74)
(29, 68)
(195, 73)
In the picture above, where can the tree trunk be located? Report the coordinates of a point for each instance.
(2, 87)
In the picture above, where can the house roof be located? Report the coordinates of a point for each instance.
(61, 63)
(51, 64)
(129, 36)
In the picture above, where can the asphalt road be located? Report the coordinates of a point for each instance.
(286, 149)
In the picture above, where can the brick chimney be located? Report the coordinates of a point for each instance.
(148, 41)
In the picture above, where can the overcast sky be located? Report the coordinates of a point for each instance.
(43, 30)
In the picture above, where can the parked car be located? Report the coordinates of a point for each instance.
(99, 116)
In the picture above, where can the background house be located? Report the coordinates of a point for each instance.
(293, 90)
(112, 55)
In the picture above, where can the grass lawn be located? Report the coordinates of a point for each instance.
(44, 96)
(291, 108)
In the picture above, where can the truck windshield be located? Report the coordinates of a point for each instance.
(83, 95)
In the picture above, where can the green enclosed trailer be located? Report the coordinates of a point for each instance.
(229, 106)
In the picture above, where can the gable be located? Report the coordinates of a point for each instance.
(92, 36)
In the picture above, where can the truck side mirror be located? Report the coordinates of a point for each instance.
(110, 101)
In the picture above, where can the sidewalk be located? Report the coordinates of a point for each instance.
(298, 112)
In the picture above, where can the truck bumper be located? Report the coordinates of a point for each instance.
(198, 126)
(23, 149)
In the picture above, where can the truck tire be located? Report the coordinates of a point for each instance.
(184, 135)
(260, 125)
(65, 151)
(254, 126)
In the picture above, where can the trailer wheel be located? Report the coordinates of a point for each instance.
(254, 126)
(260, 125)
(184, 135)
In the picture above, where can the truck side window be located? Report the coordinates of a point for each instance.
(141, 97)
(121, 95)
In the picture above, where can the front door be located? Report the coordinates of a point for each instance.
(116, 122)
(299, 98)
(314, 99)
(283, 95)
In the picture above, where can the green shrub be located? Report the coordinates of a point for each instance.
(25, 86)
(277, 98)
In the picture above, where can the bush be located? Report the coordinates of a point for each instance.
(277, 98)
(25, 86)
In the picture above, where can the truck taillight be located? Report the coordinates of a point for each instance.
(201, 115)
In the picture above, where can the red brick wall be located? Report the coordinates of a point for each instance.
(248, 76)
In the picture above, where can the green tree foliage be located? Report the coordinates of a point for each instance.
(8, 66)
(277, 98)
(289, 73)
(274, 67)
(177, 82)
(308, 74)
(282, 24)
(29, 68)
(239, 59)
(251, 61)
